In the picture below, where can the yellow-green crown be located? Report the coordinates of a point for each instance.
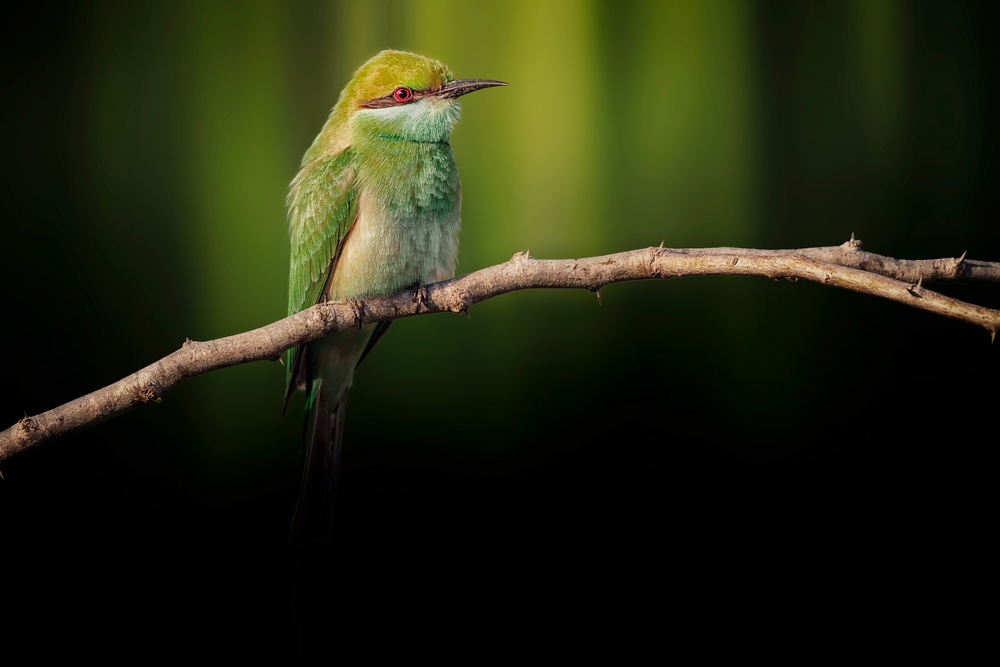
(389, 69)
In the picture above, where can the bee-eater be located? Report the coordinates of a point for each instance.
(374, 209)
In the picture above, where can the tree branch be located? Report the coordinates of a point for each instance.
(844, 266)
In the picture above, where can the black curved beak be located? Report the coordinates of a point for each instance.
(462, 86)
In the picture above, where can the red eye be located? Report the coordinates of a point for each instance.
(402, 94)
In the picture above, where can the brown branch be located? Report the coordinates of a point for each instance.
(844, 266)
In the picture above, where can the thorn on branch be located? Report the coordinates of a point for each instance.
(521, 256)
(28, 424)
(853, 242)
(915, 290)
(654, 267)
(460, 304)
(150, 392)
(959, 266)
(598, 293)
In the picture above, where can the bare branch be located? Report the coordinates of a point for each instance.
(949, 269)
(844, 266)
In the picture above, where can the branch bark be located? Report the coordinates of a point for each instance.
(845, 266)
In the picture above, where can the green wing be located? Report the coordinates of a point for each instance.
(322, 206)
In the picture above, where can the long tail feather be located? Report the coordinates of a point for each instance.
(314, 511)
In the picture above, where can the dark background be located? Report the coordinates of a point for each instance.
(664, 465)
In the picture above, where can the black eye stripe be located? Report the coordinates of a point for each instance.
(401, 95)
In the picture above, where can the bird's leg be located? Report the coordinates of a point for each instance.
(358, 307)
(419, 295)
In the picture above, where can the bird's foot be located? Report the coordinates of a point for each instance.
(358, 307)
(420, 295)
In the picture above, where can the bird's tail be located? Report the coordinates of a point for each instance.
(312, 522)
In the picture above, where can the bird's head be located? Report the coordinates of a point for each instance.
(401, 95)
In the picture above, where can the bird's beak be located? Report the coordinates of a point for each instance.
(462, 86)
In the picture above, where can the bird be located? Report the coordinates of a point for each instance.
(374, 209)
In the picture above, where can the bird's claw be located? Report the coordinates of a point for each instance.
(420, 296)
(359, 311)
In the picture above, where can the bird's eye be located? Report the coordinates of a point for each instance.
(402, 94)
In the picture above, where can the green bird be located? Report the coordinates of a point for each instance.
(373, 210)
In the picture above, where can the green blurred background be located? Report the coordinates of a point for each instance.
(683, 439)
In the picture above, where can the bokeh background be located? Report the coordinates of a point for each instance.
(693, 444)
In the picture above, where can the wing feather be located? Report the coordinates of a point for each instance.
(322, 206)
